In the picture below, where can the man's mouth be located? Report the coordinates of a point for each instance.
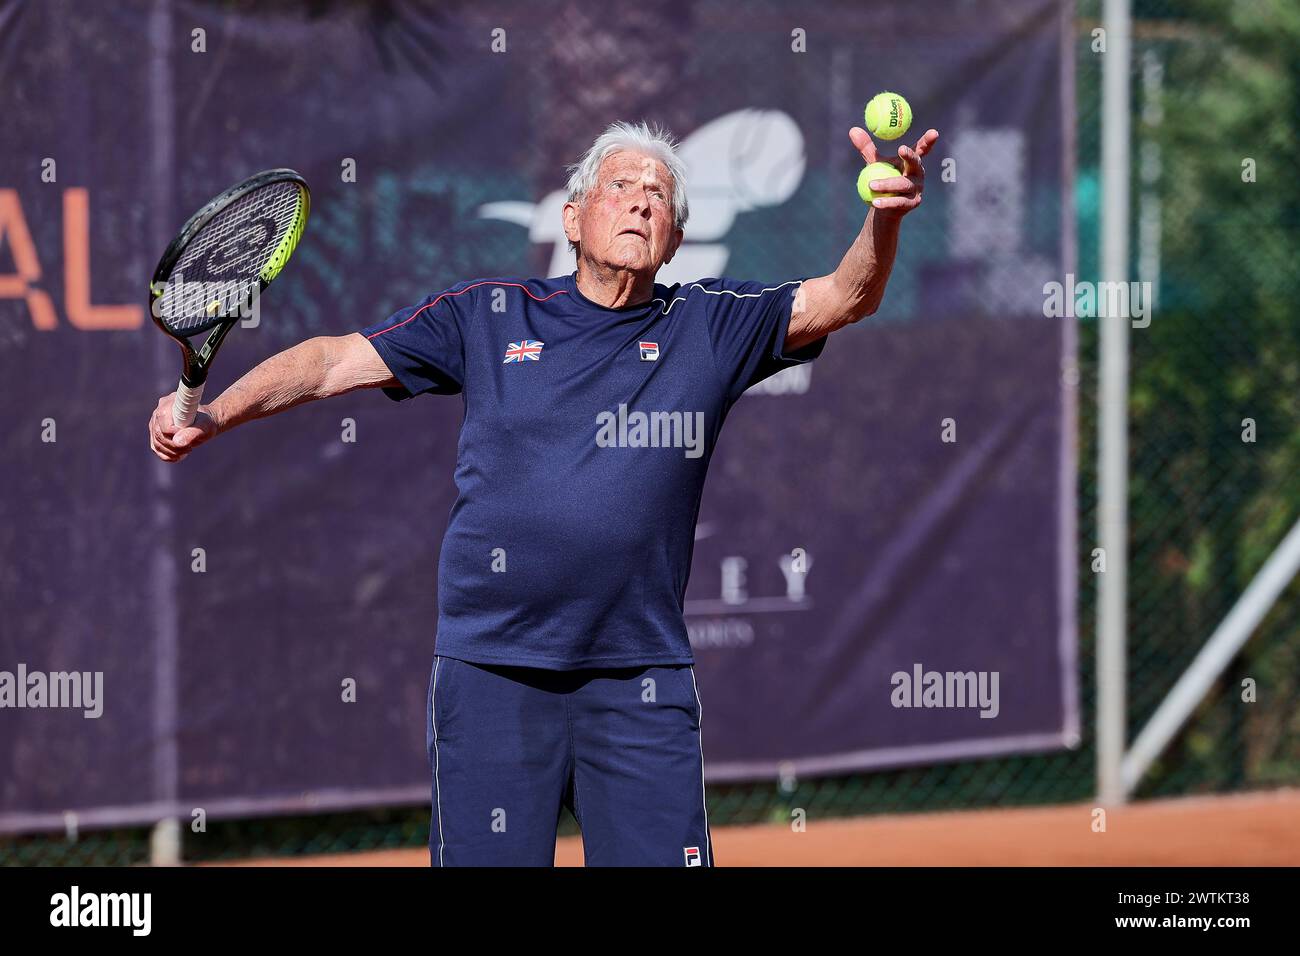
(635, 232)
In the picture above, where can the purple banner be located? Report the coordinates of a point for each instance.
(884, 563)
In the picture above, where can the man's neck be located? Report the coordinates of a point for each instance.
(614, 288)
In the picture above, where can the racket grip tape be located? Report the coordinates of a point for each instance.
(187, 404)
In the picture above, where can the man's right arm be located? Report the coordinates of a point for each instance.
(317, 368)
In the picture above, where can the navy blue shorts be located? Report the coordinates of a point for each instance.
(620, 748)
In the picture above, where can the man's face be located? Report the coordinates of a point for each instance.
(626, 222)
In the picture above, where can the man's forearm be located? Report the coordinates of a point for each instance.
(296, 375)
(828, 303)
(864, 271)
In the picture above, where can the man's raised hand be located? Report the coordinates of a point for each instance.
(910, 182)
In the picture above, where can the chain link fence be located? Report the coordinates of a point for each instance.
(1215, 482)
(1214, 455)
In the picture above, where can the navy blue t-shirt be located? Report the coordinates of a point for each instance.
(582, 455)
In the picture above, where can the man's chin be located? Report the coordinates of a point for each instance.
(637, 264)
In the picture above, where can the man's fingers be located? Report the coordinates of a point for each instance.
(187, 436)
(927, 141)
(167, 440)
(162, 433)
(894, 184)
(162, 448)
(903, 203)
(172, 442)
(163, 430)
(162, 420)
(161, 452)
(906, 188)
(911, 161)
(861, 140)
(156, 437)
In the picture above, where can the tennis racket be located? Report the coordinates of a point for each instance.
(218, 265)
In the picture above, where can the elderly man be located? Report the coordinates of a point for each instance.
(562, 674)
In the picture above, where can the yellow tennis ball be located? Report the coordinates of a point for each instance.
(888, 116)
(875, 171)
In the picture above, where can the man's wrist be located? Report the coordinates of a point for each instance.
(219, 415)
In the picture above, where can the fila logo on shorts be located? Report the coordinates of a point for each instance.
(649, 351)
(692, 855)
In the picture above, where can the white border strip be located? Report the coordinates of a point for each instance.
(144, 814)
(885, 758)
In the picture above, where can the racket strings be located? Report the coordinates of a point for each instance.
(224, 266)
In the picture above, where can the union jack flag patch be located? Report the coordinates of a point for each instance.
(526, 351)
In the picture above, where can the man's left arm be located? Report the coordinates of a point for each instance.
(854, 290)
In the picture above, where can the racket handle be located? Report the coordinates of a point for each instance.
(186, 404)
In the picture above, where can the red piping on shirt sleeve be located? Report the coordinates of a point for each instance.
(462, 291)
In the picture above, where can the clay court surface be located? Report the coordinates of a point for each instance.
(1259, 829)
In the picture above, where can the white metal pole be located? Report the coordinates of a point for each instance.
(1112, 503)
(1224, 643)
(165, 841)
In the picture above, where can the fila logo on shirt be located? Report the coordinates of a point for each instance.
(692, 855)
(649, 351)
(529, 350)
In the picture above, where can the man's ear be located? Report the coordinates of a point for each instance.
(674, 243)
(572, 232)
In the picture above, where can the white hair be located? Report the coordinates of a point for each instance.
(655, 142)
